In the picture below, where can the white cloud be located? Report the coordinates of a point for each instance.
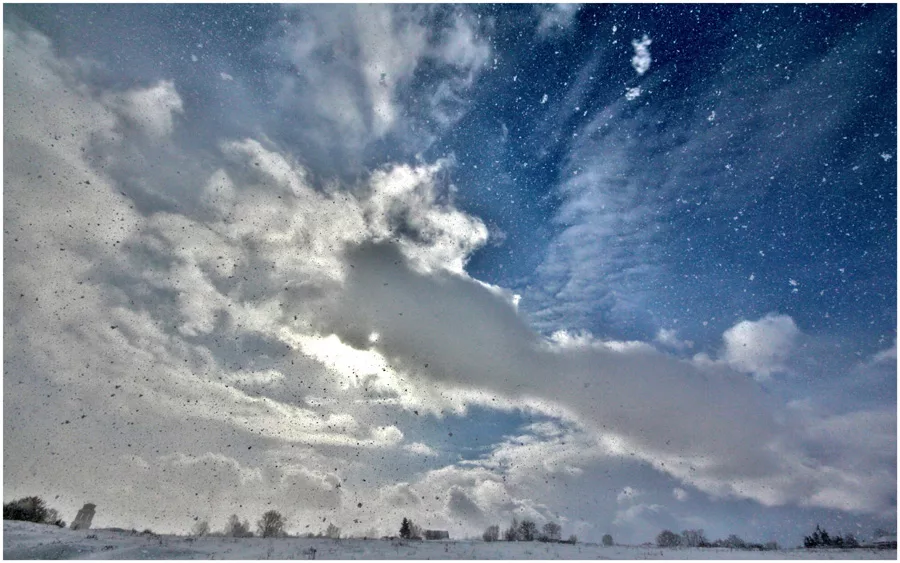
(760, 347)
(641, 59)
(244, 322)
(418, 448)
(887, 355)
(680, 494)
(632, 93)
(226, 76)
(359, 67)
(555, 18)
(669, 338)
(152, 110)
(628, 495)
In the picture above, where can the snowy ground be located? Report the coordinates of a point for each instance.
(24, 540)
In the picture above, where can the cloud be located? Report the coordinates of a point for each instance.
(418, 448)
(641, 59)
(556, 18)
(151, 110)
(669, 339)
(680, 494)
(628, 495)
(227, 333)
(354, 76)
(632, 93)
(760, 347)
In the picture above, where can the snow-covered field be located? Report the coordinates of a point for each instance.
(24, 540)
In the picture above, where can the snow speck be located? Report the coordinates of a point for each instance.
(632, 93)
(886, 156)
(194, 58)
(752, 277)
(515, 77)
(545, 98)
(712, 116)
(225, 76)
(615, 29)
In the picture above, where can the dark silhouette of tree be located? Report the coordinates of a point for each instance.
(572, 539)
(512, 533)
(405, 529)
(201, 528)
(668, 538)
(815, 539)
(237, 529)
(734, 542)
(333, 532)
(492, 533)
(551, 532)
(821, 538)
(693, 538)
(32, 509)
(271, 525)
(528, 530)
(607, 540)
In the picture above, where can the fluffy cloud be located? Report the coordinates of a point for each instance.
(352, 75)
(152, 110)
(556, 17)
(641, 59)
(262, 326)
(760, 347)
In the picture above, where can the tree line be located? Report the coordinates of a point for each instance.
(697, 538)
(32, 509)
(527, 530)
(270, 525)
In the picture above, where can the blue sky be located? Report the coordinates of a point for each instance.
(623, 267)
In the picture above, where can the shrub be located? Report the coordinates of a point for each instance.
(607, 540)
(28, 509)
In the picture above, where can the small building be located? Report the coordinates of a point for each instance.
(437, 535)
(83, 520)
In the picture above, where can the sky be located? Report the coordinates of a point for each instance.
(626, 268)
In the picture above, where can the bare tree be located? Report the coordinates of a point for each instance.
(333, 532)
(527, 530)
(237, 529)
(552, 532)
(668, 538)
(693, 538)
(271, 525)
(492, 533)
(201, 528)
(512, 533)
